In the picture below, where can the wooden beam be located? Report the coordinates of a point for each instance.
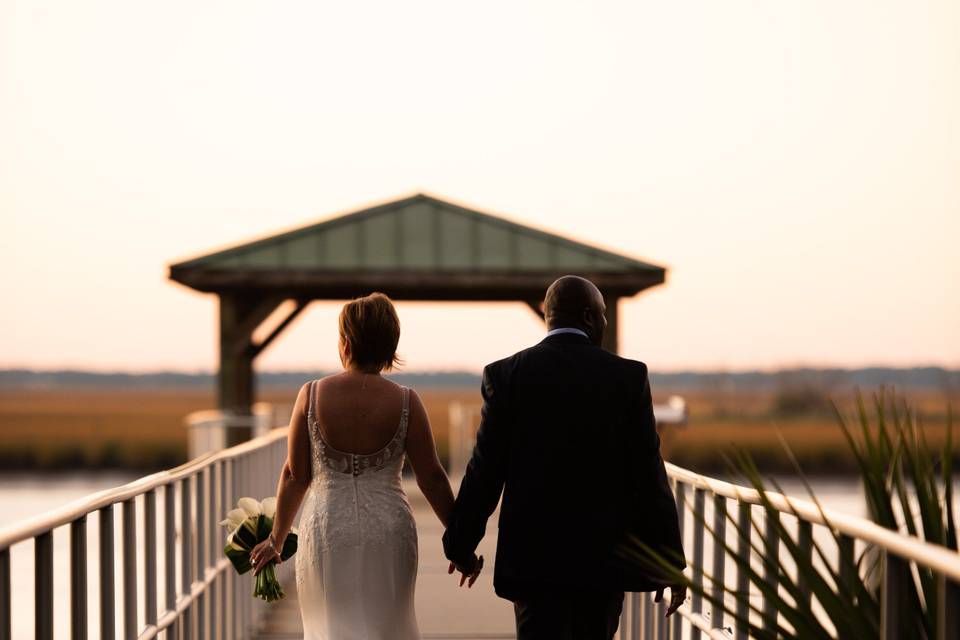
(235, 390)
(537, 308)
(252, 317)
(611, 336)
(256, 349)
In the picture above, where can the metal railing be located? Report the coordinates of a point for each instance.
(173, 577)
(175, 583)
(643, 618)
(208, 429)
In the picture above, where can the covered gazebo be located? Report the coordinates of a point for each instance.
(416, 248)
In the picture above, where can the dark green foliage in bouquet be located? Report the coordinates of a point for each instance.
(250, 524)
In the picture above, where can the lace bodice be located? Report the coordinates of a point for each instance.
(355, 464)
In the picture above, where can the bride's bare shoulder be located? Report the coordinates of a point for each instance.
(331, 379)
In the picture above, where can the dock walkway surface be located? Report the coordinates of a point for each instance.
(444, 611)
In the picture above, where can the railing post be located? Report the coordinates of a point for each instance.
(186, 557)
(680, 491)
(846, 567)
(201, 489)
(719, 559)
(622, 627)
(236, 625)
(646, 613)
(213, 516)
(805, 542)
(150, 557)
(170, 552)
(893, 596)
(107, 619)
(6, 624)
(245, 599)
(699, 524)
(229, 585)
(662, 626)
(128, 514)
(744, 531)
(78, 579)
(43, 586)
(242, 486)
(771, 568)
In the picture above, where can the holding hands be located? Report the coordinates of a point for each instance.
(468, 574)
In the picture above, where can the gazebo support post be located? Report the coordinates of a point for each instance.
(240, 314)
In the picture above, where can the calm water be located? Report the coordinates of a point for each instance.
(25, 496)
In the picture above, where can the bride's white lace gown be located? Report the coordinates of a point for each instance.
(356, 564)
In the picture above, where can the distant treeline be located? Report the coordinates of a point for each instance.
(933, 378)
(904, 378)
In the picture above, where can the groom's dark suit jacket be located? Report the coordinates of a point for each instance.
(567, 434)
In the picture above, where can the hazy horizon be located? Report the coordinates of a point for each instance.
(794, 166)
(467, 370)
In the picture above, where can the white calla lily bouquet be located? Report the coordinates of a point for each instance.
(249, 525)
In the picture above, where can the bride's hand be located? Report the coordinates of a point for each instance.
(263, 553)
(467, 574)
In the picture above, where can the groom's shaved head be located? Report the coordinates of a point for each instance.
(572, 301)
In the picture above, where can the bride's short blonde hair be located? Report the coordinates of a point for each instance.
(370, 327)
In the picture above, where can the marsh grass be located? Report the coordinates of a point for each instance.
(908, 488)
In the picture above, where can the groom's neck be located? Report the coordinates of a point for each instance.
(566, 325)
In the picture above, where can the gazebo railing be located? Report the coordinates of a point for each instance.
(643, 618)
(174, 579)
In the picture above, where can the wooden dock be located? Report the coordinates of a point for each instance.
(444, 611)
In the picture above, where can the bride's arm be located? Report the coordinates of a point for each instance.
(294, 481)
(422, 452)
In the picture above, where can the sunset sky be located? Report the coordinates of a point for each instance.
(795, 166)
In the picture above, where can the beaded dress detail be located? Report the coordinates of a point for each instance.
(357, 562)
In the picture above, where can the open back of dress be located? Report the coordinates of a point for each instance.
(357, 562)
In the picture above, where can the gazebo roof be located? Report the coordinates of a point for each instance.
(418, 247)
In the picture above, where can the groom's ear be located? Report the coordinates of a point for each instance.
(592, 319)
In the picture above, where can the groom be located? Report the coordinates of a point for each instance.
(567, 433)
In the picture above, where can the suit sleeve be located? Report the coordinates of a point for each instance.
(653, 483)
(483, 482)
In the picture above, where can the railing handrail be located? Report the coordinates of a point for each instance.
(932, 556)
(928, 554)
(42, 523)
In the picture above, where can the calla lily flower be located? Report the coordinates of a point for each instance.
(251, 506)
(234, 519)
(231, 545)
(269, 506)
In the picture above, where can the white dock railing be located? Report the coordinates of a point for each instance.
(643, 619)
(201, 598)
(188, 590)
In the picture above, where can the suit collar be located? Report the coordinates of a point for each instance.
(566, 338)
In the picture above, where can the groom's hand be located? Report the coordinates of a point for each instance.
(678, 593)
(468, 574)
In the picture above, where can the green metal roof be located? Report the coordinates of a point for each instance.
(418, 233)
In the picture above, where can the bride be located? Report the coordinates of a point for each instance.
(356, 566)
